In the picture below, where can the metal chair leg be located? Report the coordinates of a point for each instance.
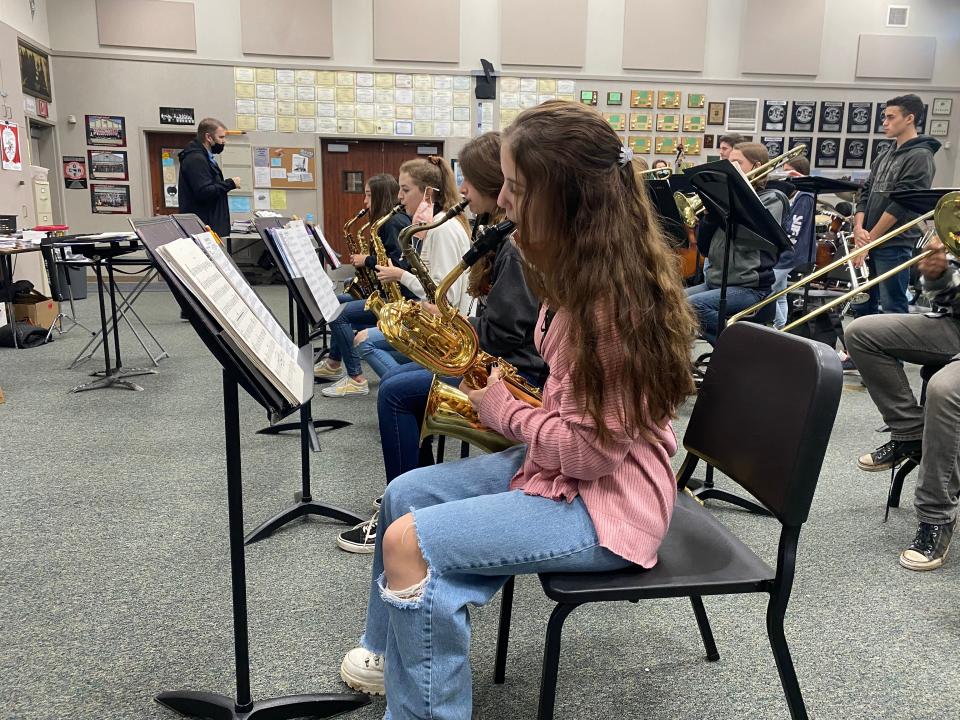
(704, 624)
(551, 660)
(781, 654)
(503, 632)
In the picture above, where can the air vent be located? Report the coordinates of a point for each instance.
(898, 15)
(742, 114)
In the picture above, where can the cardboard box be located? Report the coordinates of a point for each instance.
(36, 309)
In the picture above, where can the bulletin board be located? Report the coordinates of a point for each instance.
(286, 168)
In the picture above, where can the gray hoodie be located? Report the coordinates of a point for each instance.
(908, 167)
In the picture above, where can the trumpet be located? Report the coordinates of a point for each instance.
(946, 220)
(690, 206)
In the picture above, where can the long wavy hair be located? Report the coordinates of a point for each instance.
(594, 248)
(480, 163)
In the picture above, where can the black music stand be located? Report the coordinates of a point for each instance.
(920, 201)
(297, 295)
(745, 220)
(238, 371)
(308, 315)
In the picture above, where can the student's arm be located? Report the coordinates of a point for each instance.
(204, 182)
(510, 308)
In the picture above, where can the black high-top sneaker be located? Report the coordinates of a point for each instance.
(890, 455)
(929, 547)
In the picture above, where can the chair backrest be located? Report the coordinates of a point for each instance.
(764, 415)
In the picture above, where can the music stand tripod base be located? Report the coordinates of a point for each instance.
(212, 705)
(114, 379)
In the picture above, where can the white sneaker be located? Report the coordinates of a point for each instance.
(363, 671)
(324, 369)
(346, 386)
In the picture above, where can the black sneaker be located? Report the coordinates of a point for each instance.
(377, 503)
(360, 538)
(890, 455)
(929, 547)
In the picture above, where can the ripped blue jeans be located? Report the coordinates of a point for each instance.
(474, 534)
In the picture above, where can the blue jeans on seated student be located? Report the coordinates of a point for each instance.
(890, 296)
(379, 354)
(705, 300)
(781, 275)
(351, 319)
(474, 533)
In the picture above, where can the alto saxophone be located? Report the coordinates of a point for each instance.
(365, 280)
(411, 255)
(391, 290)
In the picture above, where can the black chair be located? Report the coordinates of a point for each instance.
(899, 473)
(769, 436)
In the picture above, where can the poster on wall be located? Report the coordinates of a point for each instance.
(177, 116)
(108, 164)
(878, 118)
(106, 130)
(855, 153)
(10, 146)
(801, 140)
(74, 172)
(109, 199)
(828, 152)
(858, 119)
(803, 115)
(878, 147)
(775, 115)
(34, 71)
(774, 145)
(831, 116)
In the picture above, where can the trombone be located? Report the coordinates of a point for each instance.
(946, 220)
(661, 173)
(690, 206)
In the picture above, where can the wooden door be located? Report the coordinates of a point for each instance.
(348, 164)
(162, 149)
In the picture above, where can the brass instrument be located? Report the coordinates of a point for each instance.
(411, 255)
(449, 412)
(362, 284)
(690, 206)
(391, 290)
(661, 173)
(946, 219)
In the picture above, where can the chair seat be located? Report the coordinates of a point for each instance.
(699, 556)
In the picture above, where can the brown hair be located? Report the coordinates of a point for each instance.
(208, 125)
(435, 172)
(731, 139)
(480, 163)
(801, 164)
(383, 195)
(595, 249)
(755, 153)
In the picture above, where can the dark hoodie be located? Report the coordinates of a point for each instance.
(908, 167)
(202, 189)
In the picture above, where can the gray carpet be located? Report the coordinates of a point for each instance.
(115, 579)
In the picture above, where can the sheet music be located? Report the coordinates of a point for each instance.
(327, 250)
(215, 252)
(199, 273)
(295, 242)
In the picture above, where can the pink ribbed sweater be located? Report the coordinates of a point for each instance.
(627, 485)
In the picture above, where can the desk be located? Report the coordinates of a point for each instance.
(6, 277)
(102, 250)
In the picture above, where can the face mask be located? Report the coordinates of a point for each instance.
(216, 148)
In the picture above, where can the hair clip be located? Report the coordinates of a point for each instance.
(626, 155)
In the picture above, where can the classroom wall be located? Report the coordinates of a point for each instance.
(16, 14)
(133, 82)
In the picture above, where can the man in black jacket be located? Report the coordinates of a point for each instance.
(202, 189)
(906, 166)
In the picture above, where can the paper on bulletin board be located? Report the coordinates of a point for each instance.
(278, 199)
(287, 124)
(261, 199)
(239, 203)
(261, 177)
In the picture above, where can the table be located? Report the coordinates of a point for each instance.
(6, 277)
(101, 250)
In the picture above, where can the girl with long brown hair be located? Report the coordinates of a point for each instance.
(589, 487)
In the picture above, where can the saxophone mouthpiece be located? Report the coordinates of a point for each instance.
(362, 212)
(457, 209)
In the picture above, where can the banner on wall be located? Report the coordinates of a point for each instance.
(75, 172)
(10, 146)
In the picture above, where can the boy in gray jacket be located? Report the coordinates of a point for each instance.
(906, 166)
